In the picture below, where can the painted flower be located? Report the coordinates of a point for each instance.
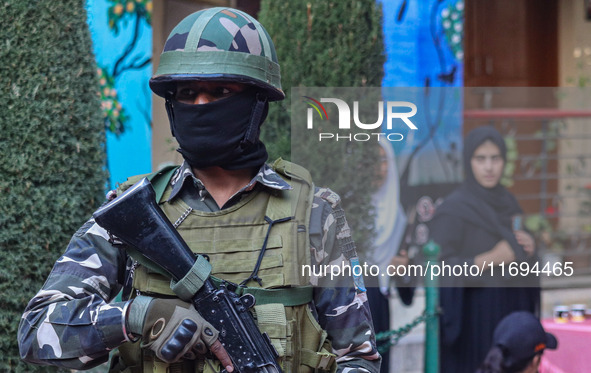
(114, 114)
(452, 18)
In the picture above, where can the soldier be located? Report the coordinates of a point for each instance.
(217, 73)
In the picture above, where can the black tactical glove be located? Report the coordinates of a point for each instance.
(170, 327)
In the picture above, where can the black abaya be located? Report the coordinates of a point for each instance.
(471, 221)
(470, 314)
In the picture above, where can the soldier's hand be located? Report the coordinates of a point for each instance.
(173, 329)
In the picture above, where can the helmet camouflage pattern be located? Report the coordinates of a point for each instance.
(221, 44)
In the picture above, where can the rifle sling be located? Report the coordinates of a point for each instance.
(289, 296)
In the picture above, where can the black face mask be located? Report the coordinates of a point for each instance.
(221, 133)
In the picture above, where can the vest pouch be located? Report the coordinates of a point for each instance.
(126, 359)
(315, 349)
(296, 329)
(271, 319)
(131, 358)
(116, 365)
(209, 366)
(151, 283)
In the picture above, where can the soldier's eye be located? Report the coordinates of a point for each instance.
(221, 92)
(186, 94)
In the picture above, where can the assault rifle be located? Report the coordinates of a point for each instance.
(135, 219)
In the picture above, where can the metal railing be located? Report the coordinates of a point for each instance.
(430, 316)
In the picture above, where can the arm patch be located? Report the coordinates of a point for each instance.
(329, 196)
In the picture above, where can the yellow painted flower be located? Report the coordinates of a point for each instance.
(118, 10)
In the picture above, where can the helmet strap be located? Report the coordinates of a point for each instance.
(170, 112)
(259, 112)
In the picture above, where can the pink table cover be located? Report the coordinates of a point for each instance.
(573, 354)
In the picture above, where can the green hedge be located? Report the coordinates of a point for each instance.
(323, 43)
(51, 149)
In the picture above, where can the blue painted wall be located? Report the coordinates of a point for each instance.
(424, 51)
(128, 153)
(423, 40)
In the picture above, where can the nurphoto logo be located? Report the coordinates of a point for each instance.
(344, 119)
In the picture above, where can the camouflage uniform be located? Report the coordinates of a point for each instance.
(73, 321)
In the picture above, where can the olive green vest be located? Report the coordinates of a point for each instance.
(232, 239)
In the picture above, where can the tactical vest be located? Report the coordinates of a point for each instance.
(232, 239)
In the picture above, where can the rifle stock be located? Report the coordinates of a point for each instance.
(135, 218)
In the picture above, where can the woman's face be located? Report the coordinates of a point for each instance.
(487, 164)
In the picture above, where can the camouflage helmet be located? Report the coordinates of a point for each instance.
(221, 44)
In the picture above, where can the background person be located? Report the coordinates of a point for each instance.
(389, 228)
(518, 343)
(474, 225)
(217, 74)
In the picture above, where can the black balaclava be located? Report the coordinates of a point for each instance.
(221, 133)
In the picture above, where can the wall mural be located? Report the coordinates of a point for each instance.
(122, 37)
(424, 49)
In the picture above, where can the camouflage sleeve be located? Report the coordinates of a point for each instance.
(70, 322)
(342, 309)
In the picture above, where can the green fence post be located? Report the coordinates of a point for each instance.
(431, 254)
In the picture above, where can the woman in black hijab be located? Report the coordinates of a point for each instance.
(474, 225)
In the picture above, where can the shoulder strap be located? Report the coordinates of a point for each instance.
(160, 180)
(292, 170)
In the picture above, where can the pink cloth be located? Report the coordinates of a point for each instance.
(573, 354)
